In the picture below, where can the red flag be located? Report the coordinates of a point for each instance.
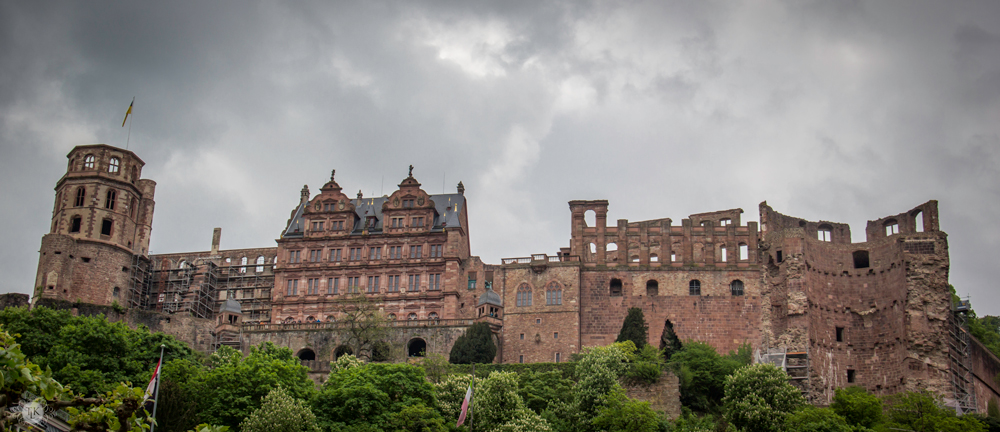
(153, 381)
(465, 406)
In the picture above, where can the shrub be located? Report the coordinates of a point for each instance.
(759, 398)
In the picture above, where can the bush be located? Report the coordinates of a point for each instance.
(643, 373)
(758, 398)
(812, 419)
(857, 406)
(922, 411)
(702, 372)
(280, 412)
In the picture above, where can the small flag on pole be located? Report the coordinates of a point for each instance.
(153, 381)
(128, 112)
(465, 406)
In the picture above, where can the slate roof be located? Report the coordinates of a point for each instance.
(232, 306)
(366, 207)
(490, 297)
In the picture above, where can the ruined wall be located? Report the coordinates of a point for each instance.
(541, 332)
(663, 396)
(986, 371)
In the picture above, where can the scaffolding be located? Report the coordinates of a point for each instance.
(794, 363)
(139, 283)
(252, 289)
(959, 358)
(230, 338)
(189, 289)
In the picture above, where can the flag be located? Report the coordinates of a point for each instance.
(465, 406)
(128, 112)
(153, 381)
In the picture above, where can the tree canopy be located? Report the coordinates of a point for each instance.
(634, 328)
(474, 346)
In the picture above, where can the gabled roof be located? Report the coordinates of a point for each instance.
(447, 215)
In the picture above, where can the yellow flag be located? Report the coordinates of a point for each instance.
(128, 112)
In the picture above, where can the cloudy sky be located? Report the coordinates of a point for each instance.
(836, 110)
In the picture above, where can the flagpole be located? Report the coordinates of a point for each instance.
(128, 139)
(159, 371)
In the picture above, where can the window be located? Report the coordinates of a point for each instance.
(524, 295)
(396, 222)
(113, 165)
(840, 334)
(392, 317)
(736, 287)
(135, 174)
(293, 288)
(375, 253)
(109, 200)
(317, 226)
(522, 336)
(106, 227)
(825, 233)
(373, 284)
(81, 194)
(555, 335)
(393, 285)
(553, 294)
(88, 162)
(891, 227)
(243, 265)
(850, 376)
(860, 259)
(353, 284)
(131, 208)
(652, 288)
(416, 251)
(260, 264)
(434, 282)
(654, 258)
(294, 257)
(313, 286)
(74, 224)
(557, 357)
(411, 317)
(407, 203)
(417, 222)
(744, 252)
(520, 359)
(918, 221)
(414, 283)
(724, 253)
(726, 222)
(538, 320)
(694, 288)
(395, 252)
(432, 316)
(778, 256)
(333, 286)
(616, 287)
(673, 257)
(355, 254)
(436, 251)
(334, 255)
(315, 255)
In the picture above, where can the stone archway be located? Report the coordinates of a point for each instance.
(416, 347)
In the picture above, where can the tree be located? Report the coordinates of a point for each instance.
(597, 376)
(474, 346)
(758, 398)
(624, 414)
(669, 343)
(857, 406)
(812, 419)
(371, 394)
(539, 389)
(634, 328)
(923, 412)
(416, 418)
(365, 327)
(702, 372)
(280, 412)
(499, 407)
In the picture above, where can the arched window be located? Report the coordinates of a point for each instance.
(306, 354)
(652, 288)
(433, 316)
(331, 318)
(891, 227)
(109, 200)
(736, 287)
(342, 350)
(113, 165)
(615, 287)
(416, 347)
(411, 317)
(524, 295)
(88, 162)
(310, 318)
(243, 265)
(612, 246)
(825, 233)
(654, 258)
(183, 265)
(260, 264)
(553, 294)
(392, 317)
(72, 164)
(918, 221)
(590, 218)
(75, 223)
(694, 287)
(81, 196)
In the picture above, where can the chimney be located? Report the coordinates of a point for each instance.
(216, 237)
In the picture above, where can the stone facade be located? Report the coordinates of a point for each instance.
(800, 293)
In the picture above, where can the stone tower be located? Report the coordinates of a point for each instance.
(100, 228)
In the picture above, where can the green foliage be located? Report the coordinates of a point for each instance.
(280, 412)
(451, 392)
(812, 419)
(634, 328)
(90, 354)
(119, 409)
(702, 372)
(922, 411)
(688, 422)
(566, 369)
(371, 394)
(597, 374)
(857, 406)
(416, 418)
(498, 407)
(539, 389)
(643, 372)
(474, 346)
(624, 414)
(758, 398)
(435, 366)
(208, 428)
(992, 410)
(669, 343)
(234, 386)
(178, 409)
(366, 327)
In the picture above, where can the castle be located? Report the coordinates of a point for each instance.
(832, 313)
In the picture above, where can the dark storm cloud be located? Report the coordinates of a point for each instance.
(843, 111)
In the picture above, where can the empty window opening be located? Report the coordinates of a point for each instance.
(840, 334)
(891, 227)
(81, 195)
(520, 359)
(416, 348)
(590, 218)
(725, 222)
(593, 248)
(825, 233)
(74, 224)
(850, 376)
(694, 287)
(88, 162)
(673, 257)
(778, 256)
(635, 258)
(260, 264)
(116, 291)
(744, 252)
(109, 201)
(557, 357)
(306, 354)
(135, 174)
(106, 227)
(113, 165)
(652, 288)
(522, 336)
(612, 247)
(736, 287)
(654, 258)
(918, 221)
(724, 253)
(860, 259)
(616, 287)
(131, 208)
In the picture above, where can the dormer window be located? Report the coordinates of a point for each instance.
(113, 165)
(407, 203)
